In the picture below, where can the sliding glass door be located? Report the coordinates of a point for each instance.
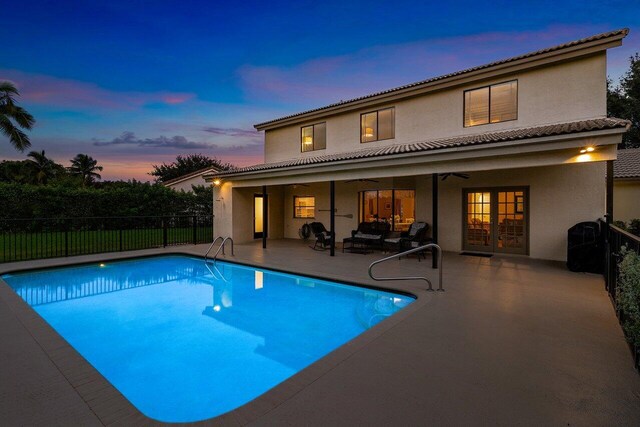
(397, 207)
(496, 220)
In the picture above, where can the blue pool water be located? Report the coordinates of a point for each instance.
(186, 341)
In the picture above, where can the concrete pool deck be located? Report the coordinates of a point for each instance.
(511, 341)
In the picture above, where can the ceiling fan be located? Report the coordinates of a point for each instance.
(298, 185)
(361, 180)
(456, 174)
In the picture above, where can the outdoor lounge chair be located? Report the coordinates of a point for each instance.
(371, 234)
(414, 237)
(323, 236)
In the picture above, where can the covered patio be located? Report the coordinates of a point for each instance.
(492, 193)
(490, 211)
(511, 341)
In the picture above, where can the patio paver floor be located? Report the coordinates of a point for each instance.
(511, 341)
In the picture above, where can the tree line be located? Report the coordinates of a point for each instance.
(38, 187)
(38, 169)
(623, 101)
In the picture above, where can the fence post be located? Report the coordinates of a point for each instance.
(66, 238)
(195, 231)
(164, 232)
(606, 236)
(120, 238)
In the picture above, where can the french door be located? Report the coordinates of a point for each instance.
(496, 220)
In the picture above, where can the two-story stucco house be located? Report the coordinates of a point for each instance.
(499, 158)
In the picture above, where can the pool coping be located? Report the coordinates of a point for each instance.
(111, 407)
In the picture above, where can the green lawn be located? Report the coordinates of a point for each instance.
(25, 246)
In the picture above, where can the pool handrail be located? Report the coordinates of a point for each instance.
(211, 246)
(221, 247)
(410, 251)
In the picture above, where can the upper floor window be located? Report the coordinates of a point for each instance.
(304, 206)
(491, 104)
(313, 137)
(377, 125)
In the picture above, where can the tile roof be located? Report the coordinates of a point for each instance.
(628, 164)
(458, 141)
(621, 32)
(190, 175)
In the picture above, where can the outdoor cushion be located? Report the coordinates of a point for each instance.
(395, 240)
(359, 235)
(415, 227)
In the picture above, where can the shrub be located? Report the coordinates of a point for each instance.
(634, 226)
(628, 294)
(620, 224)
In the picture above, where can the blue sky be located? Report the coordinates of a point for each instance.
(135, 83)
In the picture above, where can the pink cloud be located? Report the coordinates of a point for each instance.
(330, 79)
(58, 92)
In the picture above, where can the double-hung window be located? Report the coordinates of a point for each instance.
(377, 125)
(491, 104)
(313, 137)
(304, 207)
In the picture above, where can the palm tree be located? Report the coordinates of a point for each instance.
(85, 166)
(43, 166)
(10, 113)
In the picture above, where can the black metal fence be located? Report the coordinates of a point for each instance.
(25, 239)
(615, 239)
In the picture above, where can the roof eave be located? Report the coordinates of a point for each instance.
(460, 149)
(187, 177)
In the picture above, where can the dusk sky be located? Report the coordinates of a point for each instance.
(134, 83)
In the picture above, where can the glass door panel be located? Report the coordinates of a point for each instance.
(511, 222)
(370, 206)
(404, 211)
(385, 206)
(257, 217)
(477, 224)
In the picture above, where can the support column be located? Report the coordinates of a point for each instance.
(609, 205)
(265, 216)
(609, 263)
(332, 216)
(434, 216)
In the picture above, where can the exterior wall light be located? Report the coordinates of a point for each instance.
(217, 182)
(587, 150)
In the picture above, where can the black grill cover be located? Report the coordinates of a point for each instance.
(585, 249)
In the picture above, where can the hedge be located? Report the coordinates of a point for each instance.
(628, 295)
(116, 199)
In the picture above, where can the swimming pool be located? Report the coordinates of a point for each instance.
(186, 341)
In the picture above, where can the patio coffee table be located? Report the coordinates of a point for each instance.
(355, 245)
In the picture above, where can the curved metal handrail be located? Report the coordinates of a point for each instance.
(410, 251)
(211, 247)
(222, 248)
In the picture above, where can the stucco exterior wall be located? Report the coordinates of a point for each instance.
(559, 197)
(626, 200)
(561, 92)
(223, 210)
(234, 210)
